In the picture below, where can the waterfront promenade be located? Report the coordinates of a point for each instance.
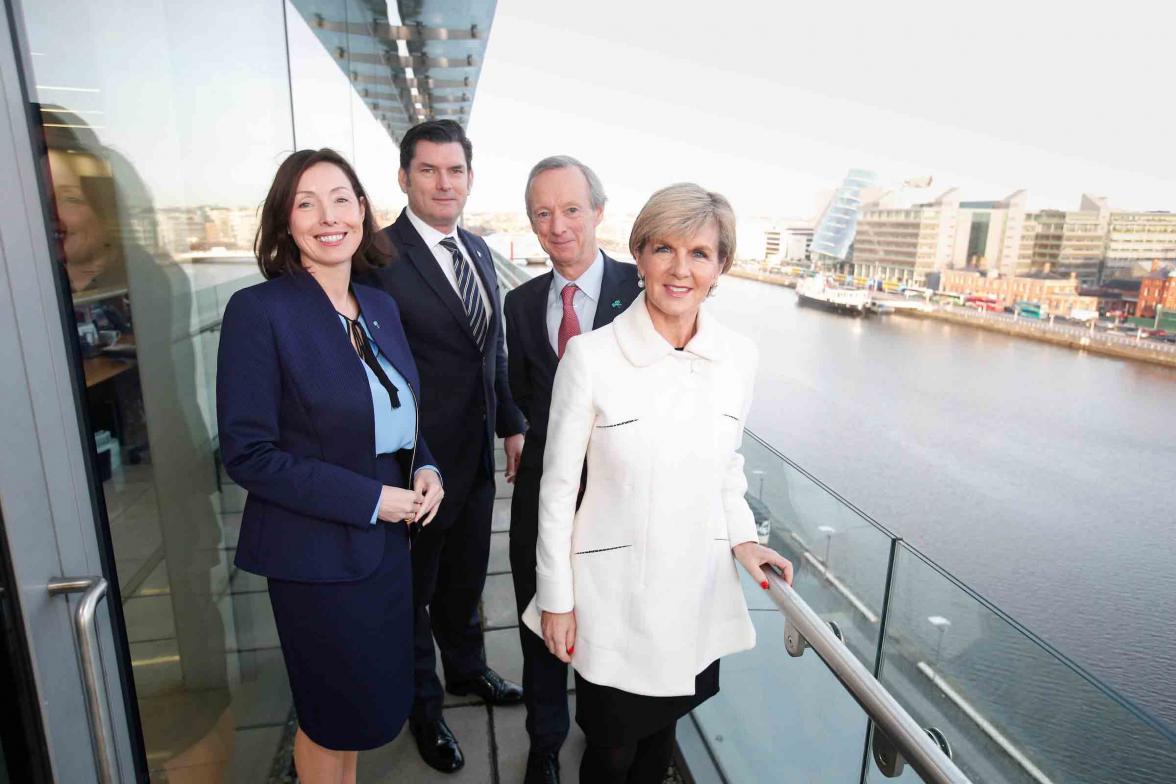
(1123, 345)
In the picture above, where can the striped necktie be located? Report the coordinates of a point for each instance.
(467, 288)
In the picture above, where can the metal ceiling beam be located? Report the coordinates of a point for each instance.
(428, 83)
(411, 61)
(387, 32)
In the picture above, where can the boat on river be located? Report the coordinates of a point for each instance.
(821, 292)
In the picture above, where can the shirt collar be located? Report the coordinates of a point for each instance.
(643, 345)
(589, 283)
(431, 236)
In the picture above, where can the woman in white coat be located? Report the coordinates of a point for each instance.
(637, 588)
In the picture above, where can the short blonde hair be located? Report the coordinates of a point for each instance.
(682, 210)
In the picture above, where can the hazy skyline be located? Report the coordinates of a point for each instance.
(772, 104)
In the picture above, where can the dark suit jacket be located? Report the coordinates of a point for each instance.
(532, 370)
(297, 428)
(466, 393)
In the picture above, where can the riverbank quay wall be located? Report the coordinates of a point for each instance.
(1070, 336)
(1120, 346)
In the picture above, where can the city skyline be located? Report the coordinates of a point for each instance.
(988, 103)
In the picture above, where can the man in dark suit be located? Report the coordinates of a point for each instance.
(444, 282)
(585, 290)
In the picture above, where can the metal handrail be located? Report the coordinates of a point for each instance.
(92, 590)
(804, 628)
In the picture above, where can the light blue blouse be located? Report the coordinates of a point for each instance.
(395, 427)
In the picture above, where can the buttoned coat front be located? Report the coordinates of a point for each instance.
(646, 561)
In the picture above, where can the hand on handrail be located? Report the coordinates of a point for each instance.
(755, 556)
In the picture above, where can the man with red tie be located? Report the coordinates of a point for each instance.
(584, 290)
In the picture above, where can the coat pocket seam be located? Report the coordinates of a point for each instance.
(602, 549)
(617, 424)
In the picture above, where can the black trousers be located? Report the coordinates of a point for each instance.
(449, 573)
(545, 678)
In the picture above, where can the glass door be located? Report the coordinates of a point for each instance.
(151, 132)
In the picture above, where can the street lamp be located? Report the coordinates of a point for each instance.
(942, 624)
(760, 493)
(828, 531)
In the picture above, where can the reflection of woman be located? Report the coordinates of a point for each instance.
(96, 191)
(316, 398)
(88, 240)
(638, 588)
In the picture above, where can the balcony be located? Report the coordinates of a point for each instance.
(1008, 706)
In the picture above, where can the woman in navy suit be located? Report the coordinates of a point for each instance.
(317, 403)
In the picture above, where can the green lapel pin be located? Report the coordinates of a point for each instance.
(616, 304)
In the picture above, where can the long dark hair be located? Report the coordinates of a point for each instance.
(277, 254)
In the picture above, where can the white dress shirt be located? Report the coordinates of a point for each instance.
(584, 303)
(444, 258)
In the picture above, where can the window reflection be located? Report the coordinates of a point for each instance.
(132, 309)
(155, 173)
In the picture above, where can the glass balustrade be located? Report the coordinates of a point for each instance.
(1012, 708)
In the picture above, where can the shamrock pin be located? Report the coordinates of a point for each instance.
(616, 304)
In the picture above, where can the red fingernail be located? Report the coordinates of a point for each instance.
(572, 649)
(764, 585)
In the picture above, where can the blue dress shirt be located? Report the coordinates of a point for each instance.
(395, 427)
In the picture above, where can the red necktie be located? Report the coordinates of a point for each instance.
(569, 325)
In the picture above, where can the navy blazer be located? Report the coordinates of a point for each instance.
(297, 429)
(466, 390)
(531, 359)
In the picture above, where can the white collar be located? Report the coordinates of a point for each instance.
(589, 282)
(431, 236)
(643, 345)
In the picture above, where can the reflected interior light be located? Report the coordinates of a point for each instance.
(68, 89)
(73, 125)
(73, 111)
(37, 54)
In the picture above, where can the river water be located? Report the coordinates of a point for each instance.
(1043, 477)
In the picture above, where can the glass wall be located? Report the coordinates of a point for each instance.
(163, 124)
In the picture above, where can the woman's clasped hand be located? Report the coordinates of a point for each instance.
(418, 505)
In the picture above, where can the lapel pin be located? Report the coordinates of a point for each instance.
(616, 304)
(376, 324)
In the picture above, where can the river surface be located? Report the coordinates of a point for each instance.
(1043, 477)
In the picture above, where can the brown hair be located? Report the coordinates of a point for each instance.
(277, 254)
(680, 211)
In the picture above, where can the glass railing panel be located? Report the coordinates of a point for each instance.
(838, 551)
(777, 717)
(1013, 709)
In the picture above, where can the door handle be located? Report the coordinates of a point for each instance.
(93, 589)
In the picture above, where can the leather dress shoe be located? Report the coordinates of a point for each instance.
(491, 687)
(542, 769)
(437, 746)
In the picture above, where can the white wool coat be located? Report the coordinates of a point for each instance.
(646, 561)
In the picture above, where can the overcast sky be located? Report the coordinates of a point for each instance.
(771, 103)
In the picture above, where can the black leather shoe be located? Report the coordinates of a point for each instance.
(542, 769)
(438, 747)
(491, 687)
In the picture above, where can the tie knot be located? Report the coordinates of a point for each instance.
(450, 244)
(568, 292)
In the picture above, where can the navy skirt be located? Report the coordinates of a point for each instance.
(348, 645)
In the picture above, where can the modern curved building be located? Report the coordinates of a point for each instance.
(837, 225)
